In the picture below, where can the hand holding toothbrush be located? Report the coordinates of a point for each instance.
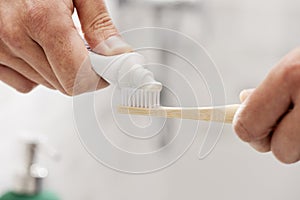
(270, 116)
(39, 44)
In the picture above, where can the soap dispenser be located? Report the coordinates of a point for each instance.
(29, 181)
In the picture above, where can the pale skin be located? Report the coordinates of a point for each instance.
(39, 45)
(270, 117)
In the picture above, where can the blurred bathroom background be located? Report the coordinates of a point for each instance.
(244, 38)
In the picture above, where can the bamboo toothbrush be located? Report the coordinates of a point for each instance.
(217, 114)
(140, 93)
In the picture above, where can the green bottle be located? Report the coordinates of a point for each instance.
(39, 196)
(30, 180)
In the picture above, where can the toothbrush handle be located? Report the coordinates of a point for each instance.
(218, 114)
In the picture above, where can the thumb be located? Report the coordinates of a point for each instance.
(98, 28)
(245, 94)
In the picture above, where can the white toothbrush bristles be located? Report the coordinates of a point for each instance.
(141, 98)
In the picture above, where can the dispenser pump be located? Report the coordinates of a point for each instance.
(29, 181)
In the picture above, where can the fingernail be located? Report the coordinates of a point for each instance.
(245, 93)
(113, 46)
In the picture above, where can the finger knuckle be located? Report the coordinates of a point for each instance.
(290, 72)
(284, 156)
(6, 32)
(10, 34)
(5, 17)
(241, 130)
(36, 16)
(26, 88)
(103, 21)
(261, 147)
(11, 28)
(12, 39)
(100, 25)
